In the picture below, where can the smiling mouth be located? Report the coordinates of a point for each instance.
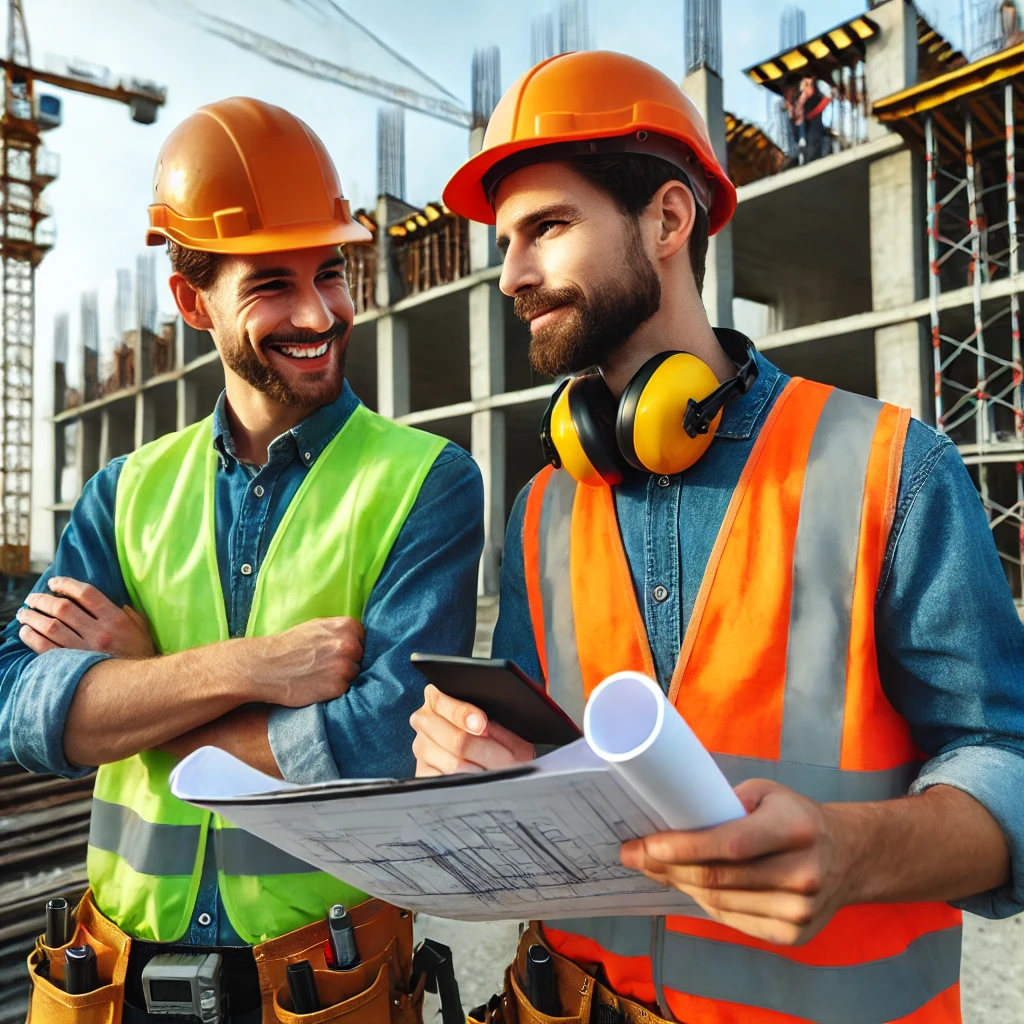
(303, 351)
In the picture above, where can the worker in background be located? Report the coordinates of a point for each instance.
(806, 107)
(808, 574)
(256, 582)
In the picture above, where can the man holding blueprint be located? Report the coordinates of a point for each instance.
(780, 556)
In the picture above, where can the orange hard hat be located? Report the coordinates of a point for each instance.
(592, 102)
(242, 176)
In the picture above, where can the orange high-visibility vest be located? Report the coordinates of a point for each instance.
(778, 677)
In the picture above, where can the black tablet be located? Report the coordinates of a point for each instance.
(503, 692)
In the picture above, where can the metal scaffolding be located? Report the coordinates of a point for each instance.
(973, 243)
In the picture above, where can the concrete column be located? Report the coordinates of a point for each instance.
(896, 210)
(104, 437)
(145, 419)
(392, 366)
(186, 395)
(487, 377)
(86, 453)
(704, 88)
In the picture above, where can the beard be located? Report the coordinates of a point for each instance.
(593, 327)
(314, 390)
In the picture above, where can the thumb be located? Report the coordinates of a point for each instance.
(752, 791)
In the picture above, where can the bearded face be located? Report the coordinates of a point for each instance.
(303, 370)
(572, 331)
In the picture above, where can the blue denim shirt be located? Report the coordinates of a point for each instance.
(950, 643)
(424, 599)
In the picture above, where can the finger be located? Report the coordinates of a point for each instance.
(779, 933)
(138, 618)
(32, 640)
(520, 749)
(92, 600)
(773, 827)
(795, 872)
(479, 750)
(752, 791)
(443, 762)
(425, 771)
(786, 907)
(62, 608)
(463, 716)
(51, 629)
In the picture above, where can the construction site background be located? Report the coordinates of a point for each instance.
(876, 250)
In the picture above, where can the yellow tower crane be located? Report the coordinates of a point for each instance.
(26, 168)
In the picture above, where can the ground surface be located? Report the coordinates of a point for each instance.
(992, 986)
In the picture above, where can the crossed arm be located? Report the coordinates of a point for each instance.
(218, 695)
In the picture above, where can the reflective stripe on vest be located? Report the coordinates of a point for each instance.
(778, 676)
(146, 848)
(873, 992)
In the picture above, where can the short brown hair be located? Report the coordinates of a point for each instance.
(631, 180)
(199, 268)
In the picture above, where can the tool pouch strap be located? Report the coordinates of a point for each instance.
(584, 1000)
(380, 990)
(50, 1004)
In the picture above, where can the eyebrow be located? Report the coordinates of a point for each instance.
(554, 211)
(269, 273)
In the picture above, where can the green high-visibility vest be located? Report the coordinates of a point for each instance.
(146, 847)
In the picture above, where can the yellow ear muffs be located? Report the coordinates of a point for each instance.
(649, 427)
(581, 428)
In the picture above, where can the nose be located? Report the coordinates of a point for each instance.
(520, 272)
(311, 312)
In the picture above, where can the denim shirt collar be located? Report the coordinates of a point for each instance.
(741, 418)
(306, 440)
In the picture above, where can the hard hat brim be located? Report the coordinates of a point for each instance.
(465, 195)
(296, 236)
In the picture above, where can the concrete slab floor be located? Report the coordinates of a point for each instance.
(992, 983)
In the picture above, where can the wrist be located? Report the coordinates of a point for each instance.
(851, 832)
(240, 676)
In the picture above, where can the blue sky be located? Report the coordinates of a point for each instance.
(101, 197)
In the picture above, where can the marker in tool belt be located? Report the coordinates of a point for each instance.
(58, 916)
(302, 987)
(80, 970)
(344, 951)
(541, 989)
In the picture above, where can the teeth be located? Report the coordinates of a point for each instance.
(304, 351)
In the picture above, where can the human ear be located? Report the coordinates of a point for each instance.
(676, 210)
(190, 303)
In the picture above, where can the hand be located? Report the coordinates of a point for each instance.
(310, 663)
(778, 874)
(76, 615)
(453, 736)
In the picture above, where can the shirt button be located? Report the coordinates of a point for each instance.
(247, 569)
(660, 593)
(663, 481)
(308, 456)
(258, 491)
(204, 919)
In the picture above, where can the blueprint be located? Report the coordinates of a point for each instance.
(542, 840)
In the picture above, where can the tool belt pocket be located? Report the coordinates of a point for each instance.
(575, 987)
(377, 991)
(50, 1004)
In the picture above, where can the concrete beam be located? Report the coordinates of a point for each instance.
(393, 366)
(503, 401)
(486, 378)
(960, 298)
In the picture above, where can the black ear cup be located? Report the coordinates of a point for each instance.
(593, 409)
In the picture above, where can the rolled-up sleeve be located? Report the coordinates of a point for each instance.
(36, 690)
(951, 648)
(424, 600)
